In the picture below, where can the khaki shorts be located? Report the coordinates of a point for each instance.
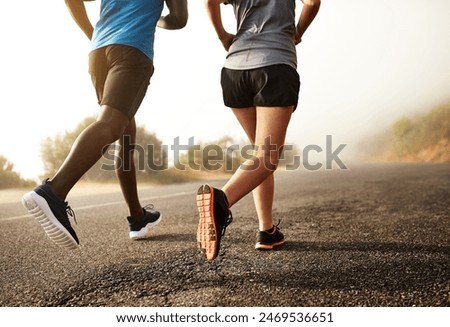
(121, 75)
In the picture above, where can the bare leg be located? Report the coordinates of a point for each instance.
(88, 149)
(269, 125)
(264, 192)
(126, 170)
(263, 198)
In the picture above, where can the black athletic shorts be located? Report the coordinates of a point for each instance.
(271, 86)
(121, 75)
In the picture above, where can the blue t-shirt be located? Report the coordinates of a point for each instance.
(128, 22)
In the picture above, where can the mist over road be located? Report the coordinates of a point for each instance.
(372, 235)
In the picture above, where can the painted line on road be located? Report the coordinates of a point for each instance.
(165, 196)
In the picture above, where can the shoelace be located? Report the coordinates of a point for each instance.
(71, 213)
(279, 222)
(149, 207)
(230, 216)
(227, 222)
(274, 228)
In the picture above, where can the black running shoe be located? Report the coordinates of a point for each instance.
(52, 214)
(215, 216)
(140, 226)
(267, 240)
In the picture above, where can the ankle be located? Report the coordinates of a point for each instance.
(226, 199)
(137, 213)
(267, 229)
(54, 187)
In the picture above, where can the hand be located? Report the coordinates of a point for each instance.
(227, 40)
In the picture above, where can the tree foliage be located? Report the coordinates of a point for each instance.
(10, 178)
(423, 138)
(225, 155)
(149, 152)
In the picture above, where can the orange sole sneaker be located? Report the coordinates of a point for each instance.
(207, 239)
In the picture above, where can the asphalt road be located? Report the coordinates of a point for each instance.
(374, 235)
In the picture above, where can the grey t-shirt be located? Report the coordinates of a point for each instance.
(265, 34)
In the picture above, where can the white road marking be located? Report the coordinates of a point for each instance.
(165, 196)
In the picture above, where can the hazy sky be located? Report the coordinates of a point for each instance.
(363, 64)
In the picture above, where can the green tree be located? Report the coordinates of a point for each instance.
(226, 154)
(55, 149)
(411, 136)
(9, 178)
(150, 155)
(422, 138)
(403, 132)
(222, 155)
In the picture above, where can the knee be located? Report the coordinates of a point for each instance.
(113, 122)
(270, 157)
(269, 161)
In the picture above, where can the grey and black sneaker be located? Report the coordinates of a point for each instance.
(269, 239)
(215, 216)
(52, 214)
(140, 226)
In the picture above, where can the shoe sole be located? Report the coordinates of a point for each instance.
(261, 246)
(207, 239)
(40, 210)
(144, 232)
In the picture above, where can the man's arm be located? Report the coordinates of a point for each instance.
(309, 12)
(79, 15)
(214, 13)
(177, 17)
